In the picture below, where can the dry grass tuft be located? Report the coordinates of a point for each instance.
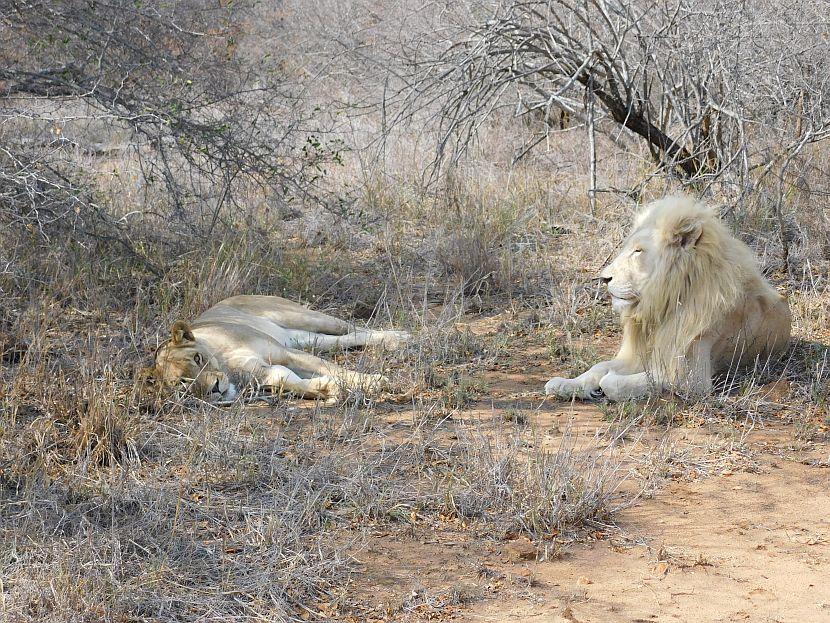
(530, 489)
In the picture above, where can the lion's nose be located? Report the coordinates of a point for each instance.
(604, 279)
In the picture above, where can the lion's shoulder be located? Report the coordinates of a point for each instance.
(231, 328)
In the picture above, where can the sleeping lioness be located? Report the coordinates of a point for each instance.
(256, 339)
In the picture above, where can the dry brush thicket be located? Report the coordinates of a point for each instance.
(405, 164)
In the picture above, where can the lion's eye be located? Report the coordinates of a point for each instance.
(197, 359)
(636, 251)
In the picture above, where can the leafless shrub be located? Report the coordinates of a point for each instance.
(440, 352)
(471, 248)
(470, 254)
(206, 123)
(224, 271)
(716, 95)
(653, 67)
(496, 478)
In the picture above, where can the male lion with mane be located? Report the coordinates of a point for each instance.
(692, 303)
(256, 339)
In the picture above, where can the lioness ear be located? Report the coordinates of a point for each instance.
(181, 332)
(686, 232)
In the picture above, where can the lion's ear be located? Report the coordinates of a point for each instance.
(686, 232)
(181, 333)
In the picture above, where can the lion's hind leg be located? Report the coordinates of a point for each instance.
(360, 337)
(308, 320)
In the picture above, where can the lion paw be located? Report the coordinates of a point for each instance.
(596, 394)
(610, 386)
(562, 388)
(365, 382)
(569, 389)
(374, 382)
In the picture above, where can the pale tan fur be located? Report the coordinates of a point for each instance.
(692, 303)
(257, 339)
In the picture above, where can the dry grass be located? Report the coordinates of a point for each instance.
(119, 506)
(125, 506)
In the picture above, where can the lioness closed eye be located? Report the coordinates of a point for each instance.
(257, 339)
(692, 302)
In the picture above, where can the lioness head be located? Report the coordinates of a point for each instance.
(183, 361)
(665, 233)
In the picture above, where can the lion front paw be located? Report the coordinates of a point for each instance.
(376, 382)
(366, 382)
(610, 387)
(564, 388)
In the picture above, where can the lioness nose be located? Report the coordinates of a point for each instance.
(605, 280)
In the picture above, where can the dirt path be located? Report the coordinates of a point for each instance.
(743, 547)
(742, 544)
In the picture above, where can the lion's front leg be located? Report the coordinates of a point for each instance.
(312, 365)
(586, 385)
(619, 387)
(283, 379)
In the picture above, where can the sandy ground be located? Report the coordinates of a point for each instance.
(745, 539)
(739, 547)
(736, 546)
